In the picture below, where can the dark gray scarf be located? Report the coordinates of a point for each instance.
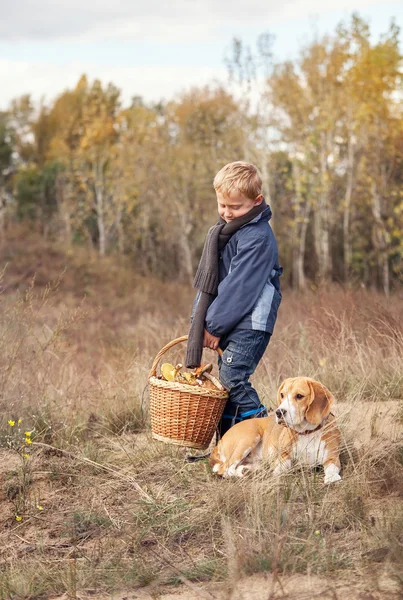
(207, 278)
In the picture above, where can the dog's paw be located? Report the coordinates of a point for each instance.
(243, 470)
(332, 478)
(232, 471)
(332, 473)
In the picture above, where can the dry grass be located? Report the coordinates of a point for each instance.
(106, 508)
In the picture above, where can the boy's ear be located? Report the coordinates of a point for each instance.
(258, 199)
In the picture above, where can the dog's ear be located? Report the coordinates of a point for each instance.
(279, 392)
(281, 389)
(320, 403)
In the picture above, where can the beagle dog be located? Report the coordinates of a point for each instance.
(302, 430)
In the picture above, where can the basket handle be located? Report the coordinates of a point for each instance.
(153, 371)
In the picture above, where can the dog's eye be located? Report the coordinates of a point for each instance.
(299, 396)
(281, 395)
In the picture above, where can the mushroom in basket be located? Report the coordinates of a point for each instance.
(201, 376)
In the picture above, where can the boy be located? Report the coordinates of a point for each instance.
(238, 289)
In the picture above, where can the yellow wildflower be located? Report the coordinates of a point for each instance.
(25, 456)
(18, 518)
(11, 423)
(28, 433)
(39, 507)
(317, 532)
(19, 421)
(28, 441)
(322, 362)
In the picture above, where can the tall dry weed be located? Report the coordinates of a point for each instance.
(350, 341)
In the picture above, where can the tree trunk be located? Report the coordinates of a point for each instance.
(265, 175)
(99, 207)
(379, 232)
(301, 216)
(3, 204)
(379, 240)
(347, 208)
(186, 265)
(321, 217)
(301, 247)
(120, 231)
(62, 207)
(150, 259)
(99, 192)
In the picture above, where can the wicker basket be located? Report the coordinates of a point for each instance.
(184, 415)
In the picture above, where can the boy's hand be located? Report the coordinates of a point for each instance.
(210, 341)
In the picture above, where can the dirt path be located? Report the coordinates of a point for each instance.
(263, 587)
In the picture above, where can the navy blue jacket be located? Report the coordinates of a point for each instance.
(249, 289)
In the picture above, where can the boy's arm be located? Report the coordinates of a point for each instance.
(241, 288)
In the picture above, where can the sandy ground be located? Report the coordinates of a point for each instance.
(365, 422)
(264, 587)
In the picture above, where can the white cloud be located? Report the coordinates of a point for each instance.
(86, 24)
(154, 19)
(153, 83)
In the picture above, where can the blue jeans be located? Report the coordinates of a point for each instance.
(242, 351)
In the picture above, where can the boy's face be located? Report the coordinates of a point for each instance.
(235, 205)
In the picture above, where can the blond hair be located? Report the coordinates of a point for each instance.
(241, 177)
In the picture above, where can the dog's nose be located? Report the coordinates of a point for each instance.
(281, 413)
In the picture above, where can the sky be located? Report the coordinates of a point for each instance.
(156, 49)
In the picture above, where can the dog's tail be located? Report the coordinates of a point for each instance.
(192, 459)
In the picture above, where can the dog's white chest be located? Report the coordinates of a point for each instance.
(310, 449)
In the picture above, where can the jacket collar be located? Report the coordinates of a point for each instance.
(265, 215)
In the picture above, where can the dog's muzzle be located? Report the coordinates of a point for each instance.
(280, 415)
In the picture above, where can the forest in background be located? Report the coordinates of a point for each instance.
(325, 130)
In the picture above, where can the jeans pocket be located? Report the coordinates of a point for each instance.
(236, 366)
(233, 369)
(249, 345)
(241, 356)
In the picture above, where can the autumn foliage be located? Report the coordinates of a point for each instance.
(326, 133)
